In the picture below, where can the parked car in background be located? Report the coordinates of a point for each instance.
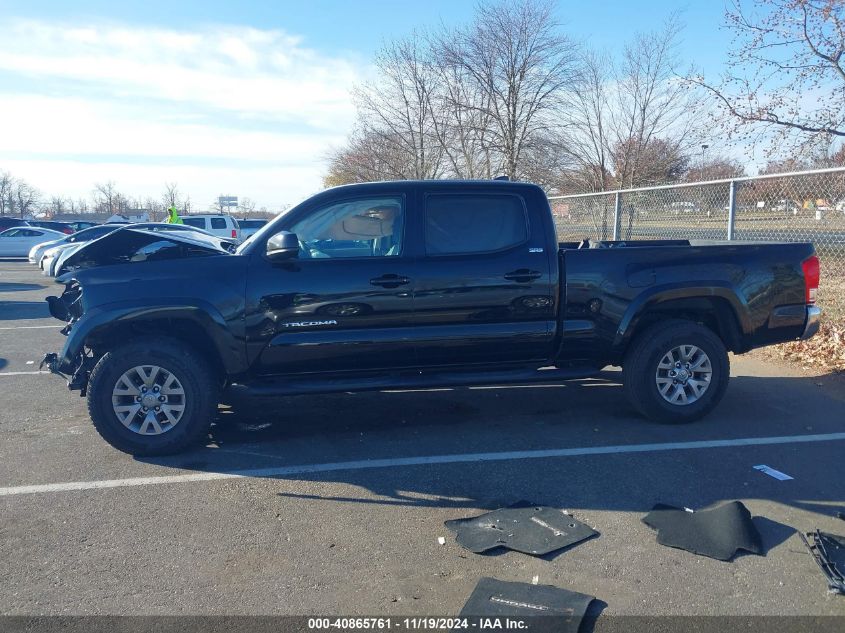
(684, 206)
(137, 243)
(61, 227)
(218, 224)
(7, 222)
(79, 225)
(249, 227)
(786, 206)
(18, 241)
(37, 253)
(57, 260)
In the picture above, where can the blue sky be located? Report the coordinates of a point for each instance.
(231, 97)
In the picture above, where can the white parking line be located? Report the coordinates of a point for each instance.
(29, 327)
(23, 373)
(304, 469)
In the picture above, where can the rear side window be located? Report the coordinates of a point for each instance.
(218, 223)
(251, 224)
(458, 224)
(198, 223)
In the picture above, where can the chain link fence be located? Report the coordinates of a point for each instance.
(804, 206)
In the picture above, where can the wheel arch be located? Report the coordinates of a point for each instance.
(203, 329)
(181, 328)
(718, 308)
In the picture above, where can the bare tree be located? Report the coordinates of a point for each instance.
(246, 205)
(399, 108)
(57, 206)
(464, 127)
(107, 198)
(7, 199)
(631, 122)
(589, 134)
(171, 197)
(26, 197)
(472, 103)
(515, 56)
(716, 168)
(654, 162)
(653, 106)
(366, 158)
(785, 77)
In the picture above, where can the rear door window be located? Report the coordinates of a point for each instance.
(198, 223)
(251, 224)
(466, 223)
(218, 223)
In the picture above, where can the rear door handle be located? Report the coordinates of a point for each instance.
(390, 281)
(523, 275)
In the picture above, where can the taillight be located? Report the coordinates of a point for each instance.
(810, 266)
(234, 233)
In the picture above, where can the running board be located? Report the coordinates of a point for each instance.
(297, 386)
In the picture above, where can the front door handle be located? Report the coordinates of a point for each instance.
(523, 275)
(390, 281)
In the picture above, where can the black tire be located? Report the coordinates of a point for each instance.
(641, 363)
(201, 392)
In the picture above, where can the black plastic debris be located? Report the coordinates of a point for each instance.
(540, 607)
(828, 550)
(535, 530)
(717, 532)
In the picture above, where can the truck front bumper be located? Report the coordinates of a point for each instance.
(811, 325)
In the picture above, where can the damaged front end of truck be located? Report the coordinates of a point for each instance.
(74, 368)
(104, 288)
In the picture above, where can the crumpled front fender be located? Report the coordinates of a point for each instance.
(230, 350)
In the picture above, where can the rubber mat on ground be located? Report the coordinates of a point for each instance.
(535, 530)
(541, 607)
(717, 532)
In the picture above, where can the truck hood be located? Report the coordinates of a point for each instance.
(132, 245)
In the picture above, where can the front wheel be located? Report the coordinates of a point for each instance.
(676, 371)
(152, 397)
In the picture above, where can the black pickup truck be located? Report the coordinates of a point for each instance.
(412, 284)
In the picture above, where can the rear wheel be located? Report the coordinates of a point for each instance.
(676, 371)
(153, 397)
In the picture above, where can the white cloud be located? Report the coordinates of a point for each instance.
(85, 127)
(152, 97)
(245, 71)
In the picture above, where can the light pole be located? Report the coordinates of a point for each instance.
(703, 149)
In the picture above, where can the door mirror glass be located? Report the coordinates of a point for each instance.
(283, 245)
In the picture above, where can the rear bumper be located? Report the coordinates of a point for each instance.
(811, 325)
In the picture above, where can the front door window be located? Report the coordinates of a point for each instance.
(364, 227)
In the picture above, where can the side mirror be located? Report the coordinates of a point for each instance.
(283, 245)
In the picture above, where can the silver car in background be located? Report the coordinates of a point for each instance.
(55, 258)
(36, 254)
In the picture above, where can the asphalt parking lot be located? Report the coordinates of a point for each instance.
(344, 496)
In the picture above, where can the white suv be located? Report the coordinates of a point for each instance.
(217, 224)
